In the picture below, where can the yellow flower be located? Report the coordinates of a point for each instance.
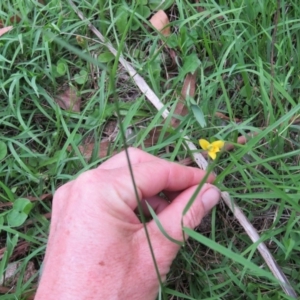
(211, 148)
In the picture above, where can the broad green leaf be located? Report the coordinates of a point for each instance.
(289, 244)
(198, 115)
(144, 11)
(172, 41)
(190, 63)
(121, 19)
(81, 78)
(19, 212)
(3, 150)
(105, 57)
(61, 68)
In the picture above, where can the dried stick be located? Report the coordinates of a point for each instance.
(201, 162)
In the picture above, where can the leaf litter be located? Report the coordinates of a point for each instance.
(69, 99)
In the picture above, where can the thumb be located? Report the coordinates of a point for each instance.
(171, 219)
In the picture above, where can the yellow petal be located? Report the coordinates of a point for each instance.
(204, 144)
(218, 144)
(212, 154)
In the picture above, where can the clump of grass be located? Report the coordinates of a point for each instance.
(248, 70)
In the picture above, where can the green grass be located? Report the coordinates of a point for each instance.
(237, 75)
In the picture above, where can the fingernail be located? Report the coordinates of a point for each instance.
(210, 198)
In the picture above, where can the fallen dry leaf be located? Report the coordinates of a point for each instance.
(43, 197)
(224, 117)
(189, 86)
(160, 22)
(69, 100)
(12, 273)
(87, 149)
(188, 90)
(153, 137)
(174, 58)
(20, 249)
(12, 20)
(242, 140)
(5, 29)
(87, 145)
(12, 276)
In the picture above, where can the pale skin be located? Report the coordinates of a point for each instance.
(97, 246)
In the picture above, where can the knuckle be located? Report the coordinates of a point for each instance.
(60, 192)
(133, 151)
(86, 178)
(91, 178)
(193, 217)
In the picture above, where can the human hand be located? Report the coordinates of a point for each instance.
(97, 246)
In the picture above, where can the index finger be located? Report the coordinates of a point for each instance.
(155, 176)
(120, 160)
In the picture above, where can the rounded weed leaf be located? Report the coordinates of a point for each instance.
(143, 11)
(19, 212)
(198, 114)
(106, 57)
(61, 68)
(122, 16)
(81, 77)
